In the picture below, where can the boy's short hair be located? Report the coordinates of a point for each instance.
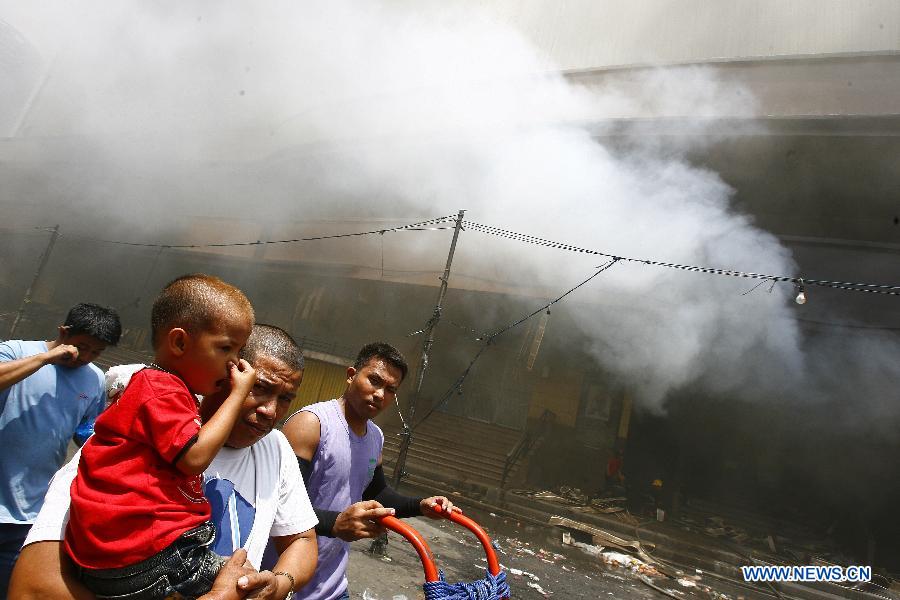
(274, 342)
(194, 303)
(385, 352)
(94, 320)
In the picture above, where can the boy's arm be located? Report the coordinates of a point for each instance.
(14, 371)
(215, 431)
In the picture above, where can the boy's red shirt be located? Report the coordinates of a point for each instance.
(129, 500)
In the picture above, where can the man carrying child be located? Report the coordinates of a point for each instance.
(139, 526)
(253, 484)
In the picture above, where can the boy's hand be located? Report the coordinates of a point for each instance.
(243, 376)
(64, 354)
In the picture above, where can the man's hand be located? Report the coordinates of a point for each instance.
(238, 580)
(427, 505)
(64, 354)
(361, 520)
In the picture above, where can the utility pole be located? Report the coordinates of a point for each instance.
(426, 351)
(37, 275)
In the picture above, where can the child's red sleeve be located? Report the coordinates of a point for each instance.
(169, 422)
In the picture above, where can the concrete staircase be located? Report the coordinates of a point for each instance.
(467, 453)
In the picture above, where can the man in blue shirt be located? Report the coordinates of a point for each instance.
(47, 390)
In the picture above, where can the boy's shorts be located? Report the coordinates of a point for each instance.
(184, 570)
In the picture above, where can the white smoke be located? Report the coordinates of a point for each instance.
(386, 109)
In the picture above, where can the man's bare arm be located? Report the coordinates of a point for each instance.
(298, 555)
(303, 432)
(45, 572)
(14, 371)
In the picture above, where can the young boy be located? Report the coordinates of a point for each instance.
(139, 523)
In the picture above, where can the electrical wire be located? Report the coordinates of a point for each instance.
(420, 226)
(488, 339)
(872, 288)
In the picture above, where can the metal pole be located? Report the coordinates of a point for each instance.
(27, 299)
(426, 350)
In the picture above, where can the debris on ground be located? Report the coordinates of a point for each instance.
(521, 573)
(635, 565)
(538, 588)
(587, 548)
(604, 538)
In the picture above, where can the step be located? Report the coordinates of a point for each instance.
(440, 445)
(486, 442)
(435, 470)
(413, 456)
(426, 463)
(472, 428)
(442, 420)
(471, 455)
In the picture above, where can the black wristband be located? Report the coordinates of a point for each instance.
(327, 519)
(378, 489)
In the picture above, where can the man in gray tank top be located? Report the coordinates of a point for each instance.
(339, 451)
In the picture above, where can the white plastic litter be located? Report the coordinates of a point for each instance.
(539, 589)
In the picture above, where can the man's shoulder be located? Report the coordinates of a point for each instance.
(318, 408)
(277, 446)
(16, 349)
(97, 371)
(274, 441)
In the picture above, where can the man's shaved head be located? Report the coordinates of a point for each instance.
(274, 342)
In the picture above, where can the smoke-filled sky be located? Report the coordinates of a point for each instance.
(287, 111)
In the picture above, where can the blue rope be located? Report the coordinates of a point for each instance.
(489, 588)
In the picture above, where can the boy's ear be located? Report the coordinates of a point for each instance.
(63, 331)
(350, 373)
(177, 341)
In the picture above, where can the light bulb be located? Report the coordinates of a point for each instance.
(801, 297)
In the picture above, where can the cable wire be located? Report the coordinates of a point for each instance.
(488, 339)
(872, 288)
(420, 226)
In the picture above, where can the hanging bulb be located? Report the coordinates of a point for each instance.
(801, 296)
